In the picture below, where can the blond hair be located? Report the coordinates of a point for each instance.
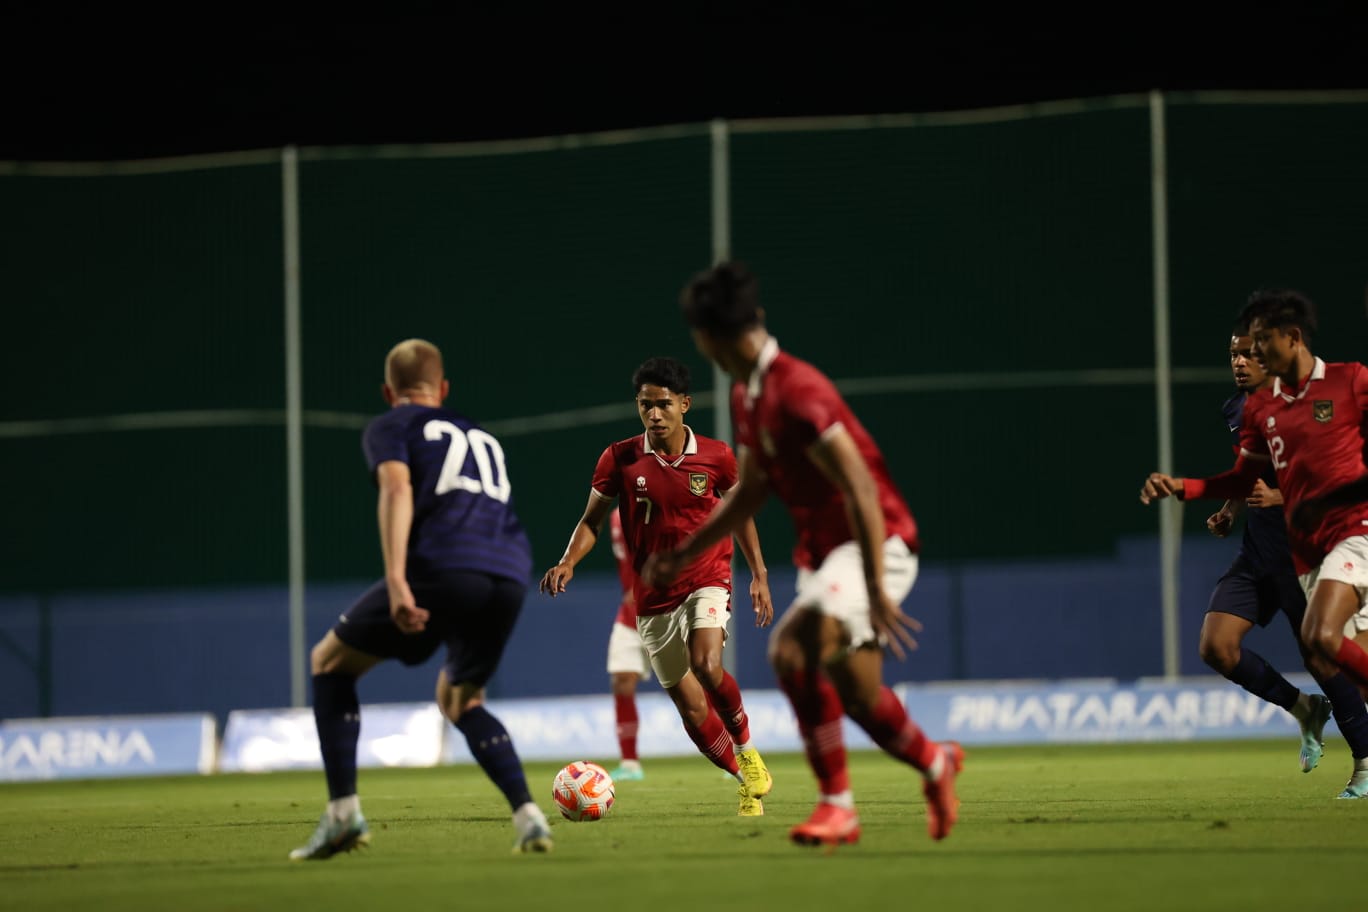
(414, 365)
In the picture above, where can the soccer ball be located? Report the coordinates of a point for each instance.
(583, 791)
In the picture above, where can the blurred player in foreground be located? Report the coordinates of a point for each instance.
(1309, 424)
(457, 564)
(1260, 583)
(666, 481)
(856, 553)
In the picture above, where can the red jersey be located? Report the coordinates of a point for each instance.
(785, 408)
(661, 502)
(626, 615)
(1315, 437)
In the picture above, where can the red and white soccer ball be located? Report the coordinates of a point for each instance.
(583, 791)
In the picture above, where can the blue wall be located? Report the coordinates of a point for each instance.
(195, 650)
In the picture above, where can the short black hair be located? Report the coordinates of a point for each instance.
(722, 301)
(670, 373)
(1277, 308)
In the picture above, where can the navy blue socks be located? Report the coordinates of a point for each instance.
(493, 749)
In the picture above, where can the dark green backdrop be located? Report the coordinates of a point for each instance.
(920, 258)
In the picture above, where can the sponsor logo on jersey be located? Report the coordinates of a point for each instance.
(698, 484)
(1323, 409)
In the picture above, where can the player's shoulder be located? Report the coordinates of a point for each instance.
(627, 449)
(1344, 370)
(790, 371)
(1233, 406)
(711, 446)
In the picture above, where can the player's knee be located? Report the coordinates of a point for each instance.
(707, 667)
(786, 655)
(323, 658)
(1323, 638)
(1220, 655)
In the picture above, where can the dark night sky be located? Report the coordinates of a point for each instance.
(123, 91)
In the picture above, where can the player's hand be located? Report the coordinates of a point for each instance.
(894, 627)
(661, 568)
(1159, 486)
(1264, 496)
(1220, 523)
(553, 582)
(760, 599)
(404, 611)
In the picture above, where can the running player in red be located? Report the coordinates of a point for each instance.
(1310, 423)
(856, 553)
(667, 481)
(628, 660)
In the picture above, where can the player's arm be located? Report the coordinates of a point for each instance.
(394, 512)
(1235, 484)
(839, 459)
(748, 540)
(741, 503)
(581, 543)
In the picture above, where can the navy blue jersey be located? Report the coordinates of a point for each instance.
(1265, 543)
(463, 516)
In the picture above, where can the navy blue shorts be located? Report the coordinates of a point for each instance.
(1258, 597)
(472, 613)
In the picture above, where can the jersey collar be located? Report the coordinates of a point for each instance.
(768, 352)
(690, 446)
(1317, 373)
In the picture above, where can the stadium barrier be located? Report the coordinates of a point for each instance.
(570, 728)
(582, 727)
(111, 747)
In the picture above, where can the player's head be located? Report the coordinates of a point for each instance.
(1248, 370)
(413, 370)
(1281, 324)
(721, 306)
(661, 387)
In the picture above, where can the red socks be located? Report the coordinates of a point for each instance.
(625, 707)
(1353, 660)
(726, 700)
(817, 707)
(713, 741)
(891, 728)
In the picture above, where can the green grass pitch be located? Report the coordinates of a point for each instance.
(1157, 827)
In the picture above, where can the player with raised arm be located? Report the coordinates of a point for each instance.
(1309, 425)
(666, 481)
(628, 660)
(856, 553)
(457, 564)
(1260, 583)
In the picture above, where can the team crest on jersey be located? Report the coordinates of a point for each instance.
(641, 481)
(698, 483)
(1323, 409)
(1271, 421)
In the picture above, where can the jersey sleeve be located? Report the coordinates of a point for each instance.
(383, 441)
(726, 469)
(1359, 385)
(814, 406)
(607, 480)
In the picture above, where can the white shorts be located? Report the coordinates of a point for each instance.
(666, 636)
(1347, 562)
(626, 653)
(837, 588)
